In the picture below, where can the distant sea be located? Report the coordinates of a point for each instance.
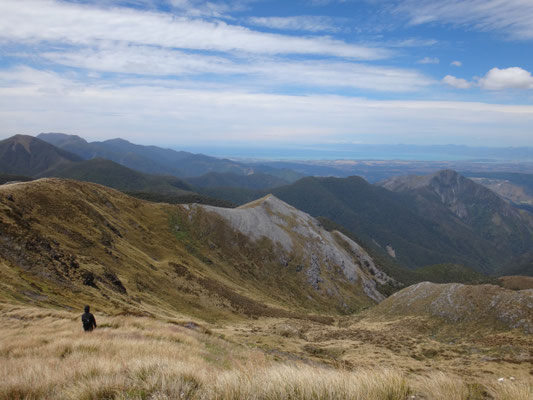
(368, 152)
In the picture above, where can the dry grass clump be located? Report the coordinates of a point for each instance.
(508, 390)
(440, 386)
(305, 382)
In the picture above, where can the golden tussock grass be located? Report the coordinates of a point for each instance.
(44, 355)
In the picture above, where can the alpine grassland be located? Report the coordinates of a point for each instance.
(45, 355)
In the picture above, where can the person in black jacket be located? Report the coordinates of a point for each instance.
(88, 321)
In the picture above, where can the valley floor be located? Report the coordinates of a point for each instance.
(44, 355)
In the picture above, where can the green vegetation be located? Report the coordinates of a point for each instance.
(4, 178)
(256, 181)
(439, 273)
(111, 174)
(170, 198)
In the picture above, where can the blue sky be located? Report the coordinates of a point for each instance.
(262, 72)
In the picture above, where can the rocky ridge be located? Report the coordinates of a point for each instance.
(300, 238)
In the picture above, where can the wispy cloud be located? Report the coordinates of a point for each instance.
(253, 72)
(514, 17)
(429, 60)
(305, 23)
(456, 63)
(52, 21)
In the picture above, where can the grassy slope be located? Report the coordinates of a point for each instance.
(44, 355)
(126, 254)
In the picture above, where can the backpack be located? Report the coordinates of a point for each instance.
(87, 322)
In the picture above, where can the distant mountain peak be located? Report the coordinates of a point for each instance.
(30, 156)
(61, 139)
(117, 141)
(24, 140)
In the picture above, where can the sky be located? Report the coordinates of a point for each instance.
(268, 72)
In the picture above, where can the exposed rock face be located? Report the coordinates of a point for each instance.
(483, 304)
(300, 238)
(452, 189)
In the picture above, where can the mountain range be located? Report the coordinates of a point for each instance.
(147, 159)
(409, 222)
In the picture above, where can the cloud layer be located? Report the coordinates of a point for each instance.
(195, 70)
(34, 101)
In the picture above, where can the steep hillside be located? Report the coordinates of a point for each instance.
(522, 265)
(384, 220)
(256, 181)
(482, 305)
(29, 156)
(65, 243)
(457, 205)
(147, 159)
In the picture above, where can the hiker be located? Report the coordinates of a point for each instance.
(88, 321)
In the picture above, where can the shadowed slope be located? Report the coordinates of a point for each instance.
(26, 155)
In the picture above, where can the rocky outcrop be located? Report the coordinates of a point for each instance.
(482, 304)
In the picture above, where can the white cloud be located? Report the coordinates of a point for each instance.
(307, 23)
(507, 78)
(457, 82)
(514, 17)
(34, 101)
(456, 63)
(429, 60)
(53, 21)
(496, 79)
(264, 72)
